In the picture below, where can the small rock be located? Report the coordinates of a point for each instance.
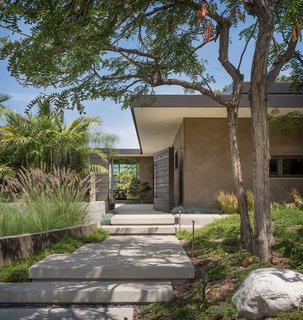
(266, 292)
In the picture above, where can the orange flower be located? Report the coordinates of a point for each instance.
(202, 13)
(209, 31)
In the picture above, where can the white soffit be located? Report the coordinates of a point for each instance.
(158, 126)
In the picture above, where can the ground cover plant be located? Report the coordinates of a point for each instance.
(218, 254)
(106, 219)
(195, 210)
(17, 271)
(228, 203)
(42, 201)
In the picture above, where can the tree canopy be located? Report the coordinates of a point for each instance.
(124, 49)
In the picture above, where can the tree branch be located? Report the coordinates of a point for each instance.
(130, 85)
(299, 57)
(196, 87)
(280, 62)
(14, 30)
(214, 38)
(131, 51)
(246, 45)
(158, 9)
(133, 61)
(228, 66)
(116, 77)
(223, 53)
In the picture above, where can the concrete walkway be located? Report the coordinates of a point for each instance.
(119, 257)
(122, 269)
(142, 215)
(66, 314)
(140, 219)
(125, 208)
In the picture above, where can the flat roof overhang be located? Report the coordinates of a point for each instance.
(158, 123)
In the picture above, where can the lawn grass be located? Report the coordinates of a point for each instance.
(17, 271)
(217, 254)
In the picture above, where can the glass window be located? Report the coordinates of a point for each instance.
(292, 166)
(273, 167)
(120, 165)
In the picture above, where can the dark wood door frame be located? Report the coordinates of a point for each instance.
(164, 180)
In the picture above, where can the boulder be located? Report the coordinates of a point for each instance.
(266, 292)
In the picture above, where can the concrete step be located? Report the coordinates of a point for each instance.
(69, 292)
(200, 219)
(143, 219)
(188, 227)
(145, 229)
(150, 257)
(66, 313)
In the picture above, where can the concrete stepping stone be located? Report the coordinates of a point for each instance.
(70, 292)
(140, 230)
(66, 313)
(143, 219)
(119, 258)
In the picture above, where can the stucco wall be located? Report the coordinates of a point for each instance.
(146, 174)
(207, 166)
(285, 142)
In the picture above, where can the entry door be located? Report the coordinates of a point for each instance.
(164, 180)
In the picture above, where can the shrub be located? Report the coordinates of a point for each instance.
(46, 201)
(138, 190)
(296, 198)
(227, 202)
(295, 201)
(106, 219)
(194, 210)
(282, 206)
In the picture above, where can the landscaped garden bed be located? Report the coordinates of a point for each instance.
(17, 271)
(26, 245)
(217, 254)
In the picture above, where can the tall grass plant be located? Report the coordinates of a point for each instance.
(43, 201)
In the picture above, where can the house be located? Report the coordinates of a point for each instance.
(184, 148)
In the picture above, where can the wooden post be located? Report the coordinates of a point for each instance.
(179, 219)
(193, 239)
(92, 189)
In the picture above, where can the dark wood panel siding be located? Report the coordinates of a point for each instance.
(164, 180)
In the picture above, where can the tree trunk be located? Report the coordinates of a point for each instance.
(258, 104)
(246, 237)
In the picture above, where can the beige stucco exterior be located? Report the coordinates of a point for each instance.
(206, 165)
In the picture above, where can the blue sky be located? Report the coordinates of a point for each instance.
(115, 120)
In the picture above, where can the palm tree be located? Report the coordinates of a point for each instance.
(3, 99)
(73, 145)
(107, 141)
(28, 141)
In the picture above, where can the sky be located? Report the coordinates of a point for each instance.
(115, 120)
